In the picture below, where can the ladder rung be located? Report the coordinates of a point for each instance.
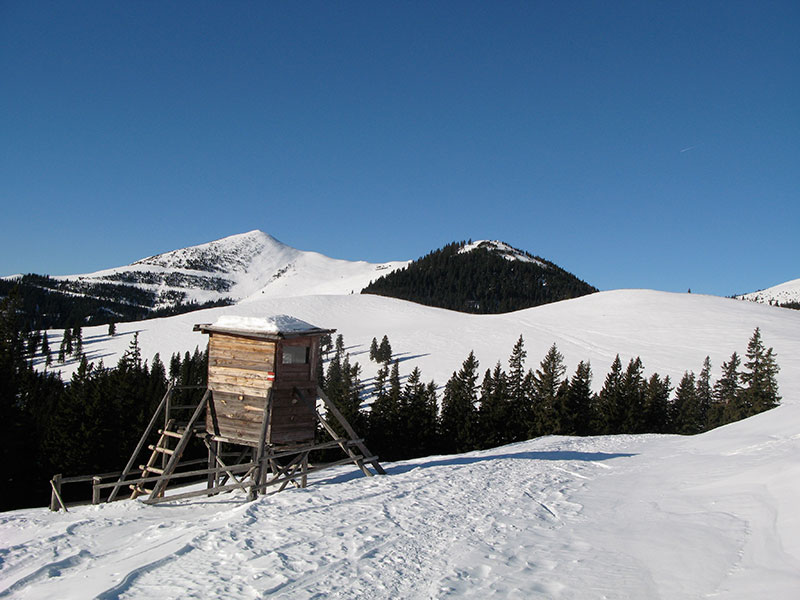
(140, 489)
(171, 434)
(160, 449)
(155, 470)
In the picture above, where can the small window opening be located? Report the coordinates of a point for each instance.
(295, 355)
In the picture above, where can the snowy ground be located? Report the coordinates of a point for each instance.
(714, 515)
(605, 517)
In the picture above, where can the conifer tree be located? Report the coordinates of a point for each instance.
(67, 340)
(546, 385)
(373, 350)
(609, 412)
(494, 414)
(631, 397)
(112, 329)
(458, 408)
(686, 407)
(760, 376)
(657, 418)
(46, 349)
(385, 350)
(727, 394)
(77, 336)
(522, 419)
(705, 392)
(576, 416)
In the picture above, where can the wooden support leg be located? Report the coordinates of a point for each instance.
(260, 472)
(342, 444)
(331, 408)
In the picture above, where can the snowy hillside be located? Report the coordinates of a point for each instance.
(238, 266)
(642, 516)
(784, 293)
(670, 332)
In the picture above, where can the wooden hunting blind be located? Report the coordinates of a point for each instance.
(246, 364)
(258, 418)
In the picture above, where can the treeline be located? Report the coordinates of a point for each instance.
(408, 420)
(89, 424)
(479, 281)
(47, 303)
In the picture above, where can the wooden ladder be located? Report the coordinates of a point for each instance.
(160, 449)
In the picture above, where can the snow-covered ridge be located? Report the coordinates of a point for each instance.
(504, 250)
(778, 294)
(239, 266)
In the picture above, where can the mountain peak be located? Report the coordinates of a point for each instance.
(505, 250)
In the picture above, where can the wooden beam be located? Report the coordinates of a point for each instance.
(331, 407)
(344, 446)
(266, 424)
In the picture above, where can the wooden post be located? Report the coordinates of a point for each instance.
(304, 476)
(96, 490)
(55, 495)
(266, 426)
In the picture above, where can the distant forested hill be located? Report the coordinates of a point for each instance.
(481, 277)
(47, 303)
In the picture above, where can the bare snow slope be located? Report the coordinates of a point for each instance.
(670, 332)
(644, 516)
(777, 294)
(241, 265)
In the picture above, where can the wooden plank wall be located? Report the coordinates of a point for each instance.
(238, 377)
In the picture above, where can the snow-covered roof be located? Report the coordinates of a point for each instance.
(279, 326)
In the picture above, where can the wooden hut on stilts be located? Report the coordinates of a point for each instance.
(259, 419)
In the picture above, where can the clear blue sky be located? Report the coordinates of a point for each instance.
(636, 144)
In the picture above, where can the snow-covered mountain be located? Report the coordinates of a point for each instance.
(628, 516)
(784, 293)
(239, 266)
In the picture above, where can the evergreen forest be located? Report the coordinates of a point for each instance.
(47, 303)
(482, 280)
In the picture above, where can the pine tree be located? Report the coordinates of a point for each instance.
(760, 376)
(46, 350)
(687, 418)
(67, 340)
(728, 398)
(519, 383)
(609, 412)
(458, 408)
(373, 350)
(631, 397)
(77, 336)
(385, 350)
(657, 418)
(112, 329)
(705, 392)
(494, 414)
(576, 416)
(546, 385)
